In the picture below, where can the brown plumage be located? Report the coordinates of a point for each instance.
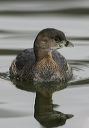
(43, 63)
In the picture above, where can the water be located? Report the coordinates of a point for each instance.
(19, 24)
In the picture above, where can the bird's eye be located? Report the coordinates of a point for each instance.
(67, 43)
(57, 39)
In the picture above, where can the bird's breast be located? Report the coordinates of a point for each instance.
(47, 70)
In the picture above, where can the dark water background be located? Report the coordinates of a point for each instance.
(20, 21)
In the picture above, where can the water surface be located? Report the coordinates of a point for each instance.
(19, 24)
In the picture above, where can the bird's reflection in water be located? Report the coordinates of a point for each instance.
(44, 111)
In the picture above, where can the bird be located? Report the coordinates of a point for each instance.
(43, 62)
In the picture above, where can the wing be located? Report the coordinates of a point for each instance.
(60, 60)
(26, 56)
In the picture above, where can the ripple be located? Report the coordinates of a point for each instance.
(5, 113)
(9, 52)
(69, 11)
(80, 82)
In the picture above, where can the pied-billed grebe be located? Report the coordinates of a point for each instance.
(43, 63)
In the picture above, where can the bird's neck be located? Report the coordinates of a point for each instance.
(40, 54)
